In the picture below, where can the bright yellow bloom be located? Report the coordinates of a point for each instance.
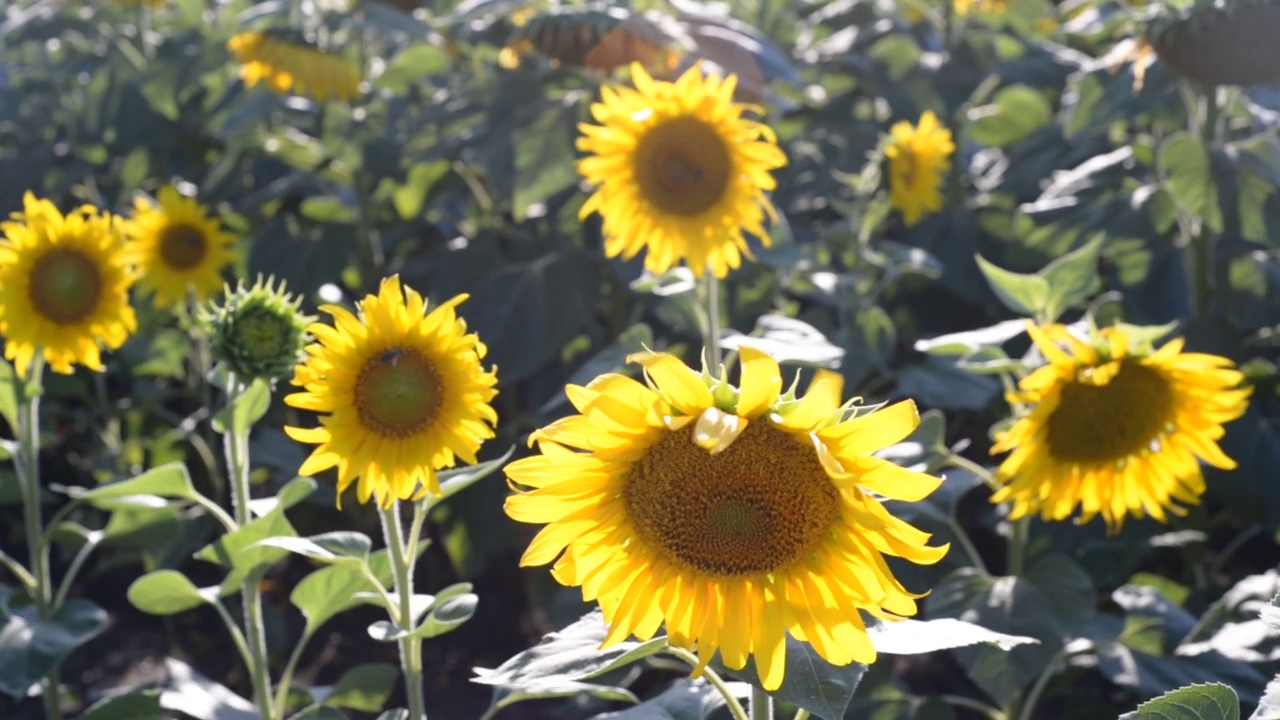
(1114, 430)
(919, 158)
(64, 286)
(678, 170)
(403, 392)
(732, 516)
(298, 67)
(177, 248)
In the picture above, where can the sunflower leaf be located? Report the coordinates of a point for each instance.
(8, 394)
(168, 481)
(456, 480)
(684, 699)
(246, 409)
(1026, 294)
(1210, 701)
(914, 637)
(809, 681)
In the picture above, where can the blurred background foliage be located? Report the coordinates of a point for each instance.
(455, 169)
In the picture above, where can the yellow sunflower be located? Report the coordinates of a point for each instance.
(1115, 429)
(732, 516)
(177, 247)
(919, 158)
(64, 286)
(403, 392)
(286, 65)
(995, 7)
(678, 170)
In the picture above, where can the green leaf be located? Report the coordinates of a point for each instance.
(363, 687)
(326, 209)
(247, 408)
(166, 592)
(139, 705)
(1025, 294)
(30, 647)
(544, 158)
(445, 614)
(684, 699)
(969, 341)
(809, 681)
(788, 340)
(319, 712)
(240, 551)
(329, 591)
(557, 665)
(1184, 160)
(339, 547)
(199, 697)
(410, 197)
(914, 637)
(456, 480)
(1073, 278)
(1210, 701)
(1053, 600)
(169, 481)
(1017, 111)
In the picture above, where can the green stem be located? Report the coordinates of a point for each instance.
(1028, 703)
(962, 537)
(801, 714)
(286, 678)
(415, 530)
(64, 587)
(27, 579)
(236, 442)
(27, 464)
(761, 704)
(410, 648)
(709, 289)
(971, 704)
(735, 707)
(964, 463)
(1018, 537)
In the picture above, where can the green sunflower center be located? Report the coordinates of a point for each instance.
(182, 246)
(756, 507)
(397, 393)
(65, 286)
(682, 166)
(1111, 421)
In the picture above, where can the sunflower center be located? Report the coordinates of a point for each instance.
(754, 507)
(263, 334)
(65, 286)
(682, 166)
(1111, 421)
(182, 246)
(397, 392)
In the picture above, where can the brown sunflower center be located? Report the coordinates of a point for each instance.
(397, 393)
(65, 286)
(682, 166)
(182, 246)
(1111, 421)
(757, 506)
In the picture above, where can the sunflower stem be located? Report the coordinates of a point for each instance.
(410, 648)
(1019, 534)
(27, 465)
(710, 287)
(236, 444)
(761, 704)
(735, 707)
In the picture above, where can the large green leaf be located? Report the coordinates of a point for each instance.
(30, 647)
(1016, 112)
(913, 637)
(168, 481)
(363, 687)
(456, 480)
(242, 553)
(684, 699)
(140, 705)
(1073, 278)
(166, 592)
(1021, 293)
(1210, 701)
(246, 409)
(1184, 160)
(809, 681)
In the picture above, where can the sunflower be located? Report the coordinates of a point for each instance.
(679, 170)
(994, 7)
(64, 286)
(1116, 429)
(404, 394)
(919, 158)
(732, 516)
(177, 248)
(292, 64)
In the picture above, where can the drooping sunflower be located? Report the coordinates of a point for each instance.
(64, 286)
(731, 516)
(402, 390)
(919, 158)
(678, 170)
(1116, 429)
(291, 64)
(177, 247)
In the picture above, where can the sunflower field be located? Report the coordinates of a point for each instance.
(648, 360)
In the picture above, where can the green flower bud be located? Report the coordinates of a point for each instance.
(259, 332)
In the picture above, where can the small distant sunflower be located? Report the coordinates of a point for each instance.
(919, 158)
(177, 248)
(1116, 429)
(678, 170)
(403, 392)
(290, 64)
(731, 515)
(64, 286)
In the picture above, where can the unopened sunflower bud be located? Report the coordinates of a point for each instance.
(259, 332)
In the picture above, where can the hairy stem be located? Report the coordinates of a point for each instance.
(410, 648)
